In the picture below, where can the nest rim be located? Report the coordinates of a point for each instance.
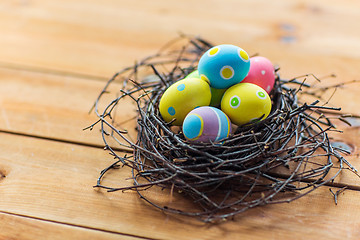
(164, 158)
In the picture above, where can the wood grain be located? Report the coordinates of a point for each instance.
(96, 38)
(57, 107)
(17, 227)
(55, 57)
(52, 180)
(51, 106)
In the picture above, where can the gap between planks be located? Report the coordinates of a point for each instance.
(279, 175)
(121, 212)
(65, 141)
(33, 69)
(95, 144)
(74, 225)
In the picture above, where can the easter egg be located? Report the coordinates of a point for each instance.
(182, 97)
(261, 73)
(193, 74)
(206, 124)
(216, 94)
(224, 65)
(245, 103)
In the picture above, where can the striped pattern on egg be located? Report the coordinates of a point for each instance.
(206, 124)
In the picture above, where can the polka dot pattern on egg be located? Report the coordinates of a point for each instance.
(226, 72)
(235, 101)
(224, 65)
(213, 51)
(182, 97)
(171, 111)
(261, 73)
(181, 87)
(245, 103)
(204, 78)
(243, 55)
(261, 94)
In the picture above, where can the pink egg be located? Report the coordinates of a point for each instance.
(261, 73)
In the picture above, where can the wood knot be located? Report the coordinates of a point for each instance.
(2, 174)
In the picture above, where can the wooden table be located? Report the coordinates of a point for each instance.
(55, 57)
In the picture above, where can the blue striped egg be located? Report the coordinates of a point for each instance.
(206, 124)
(224, 65)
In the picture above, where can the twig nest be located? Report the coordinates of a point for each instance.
(278, 159)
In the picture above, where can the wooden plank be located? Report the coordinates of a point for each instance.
(53, 181)
(16, 227)
(96, 37)
(52, 106)
(56, 107)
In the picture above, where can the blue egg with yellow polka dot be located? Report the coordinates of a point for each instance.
(206, 124)
(224, 66)
(182, 97)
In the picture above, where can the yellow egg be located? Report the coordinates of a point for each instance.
(216, 94)
(245, 103)
(182, 97)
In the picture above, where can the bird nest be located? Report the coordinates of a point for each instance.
(279, 159)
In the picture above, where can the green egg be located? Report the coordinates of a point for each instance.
(216, 96)
(193, 74)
